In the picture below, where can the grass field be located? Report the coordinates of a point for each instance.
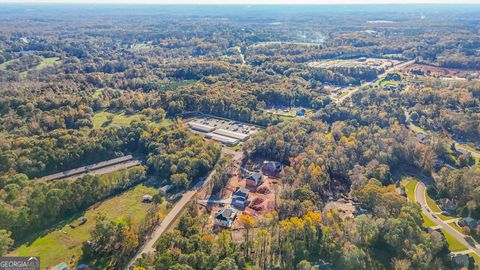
(410, 189)
(119, 120)
(65, 244)
(444, 217)
(47, 62)
(384, 83)
(455, 226)
(432, 204)
(427, 222)
(98, 93)
(453, 244)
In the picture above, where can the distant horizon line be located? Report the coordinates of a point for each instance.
(244, 3)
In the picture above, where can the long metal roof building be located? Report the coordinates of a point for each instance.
(223, 139)
(201, 127)
(232, 134)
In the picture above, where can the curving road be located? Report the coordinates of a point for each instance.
(420, 197)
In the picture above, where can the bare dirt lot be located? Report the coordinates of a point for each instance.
(441, 72)
(375, 63)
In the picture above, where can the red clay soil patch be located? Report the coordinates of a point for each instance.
(257, 207)
(263, 190)
(257, 201)
(440, 71)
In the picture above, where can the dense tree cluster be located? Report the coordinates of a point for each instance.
(28, 206)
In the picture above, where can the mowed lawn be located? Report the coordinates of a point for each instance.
(453, 244)
(410, 190)
(433, 205)
(119, 119)
(427, 222)
(65, 244)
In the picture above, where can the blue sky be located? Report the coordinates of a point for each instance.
(245, 1)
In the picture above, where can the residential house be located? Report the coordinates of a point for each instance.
(225, 217)
(271, 167)
(240, 198)
(301, 112)
(447, 205)
(468, 221)
(164, 190)
(147, 198)
(254, 180)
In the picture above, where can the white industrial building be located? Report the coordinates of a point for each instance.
(223, 139)
(201, 127)
(232, 134)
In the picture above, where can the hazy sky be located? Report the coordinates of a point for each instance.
(245, 1)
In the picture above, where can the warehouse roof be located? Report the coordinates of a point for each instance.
(232, 134)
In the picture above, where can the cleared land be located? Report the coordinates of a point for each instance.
(374, 63)
(120, 119)
(65, 244)
(47, 62)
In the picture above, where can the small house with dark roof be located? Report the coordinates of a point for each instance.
(225, 217)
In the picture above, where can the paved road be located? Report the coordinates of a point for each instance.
(420, 196)
(149, 245)
(381, 76)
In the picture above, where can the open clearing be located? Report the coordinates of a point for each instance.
(375, 63)
(119, 120)
(65, 244)
(47, 62)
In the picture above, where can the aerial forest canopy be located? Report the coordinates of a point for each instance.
(260, 137)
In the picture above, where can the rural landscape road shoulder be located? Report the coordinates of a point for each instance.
(420, 197)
